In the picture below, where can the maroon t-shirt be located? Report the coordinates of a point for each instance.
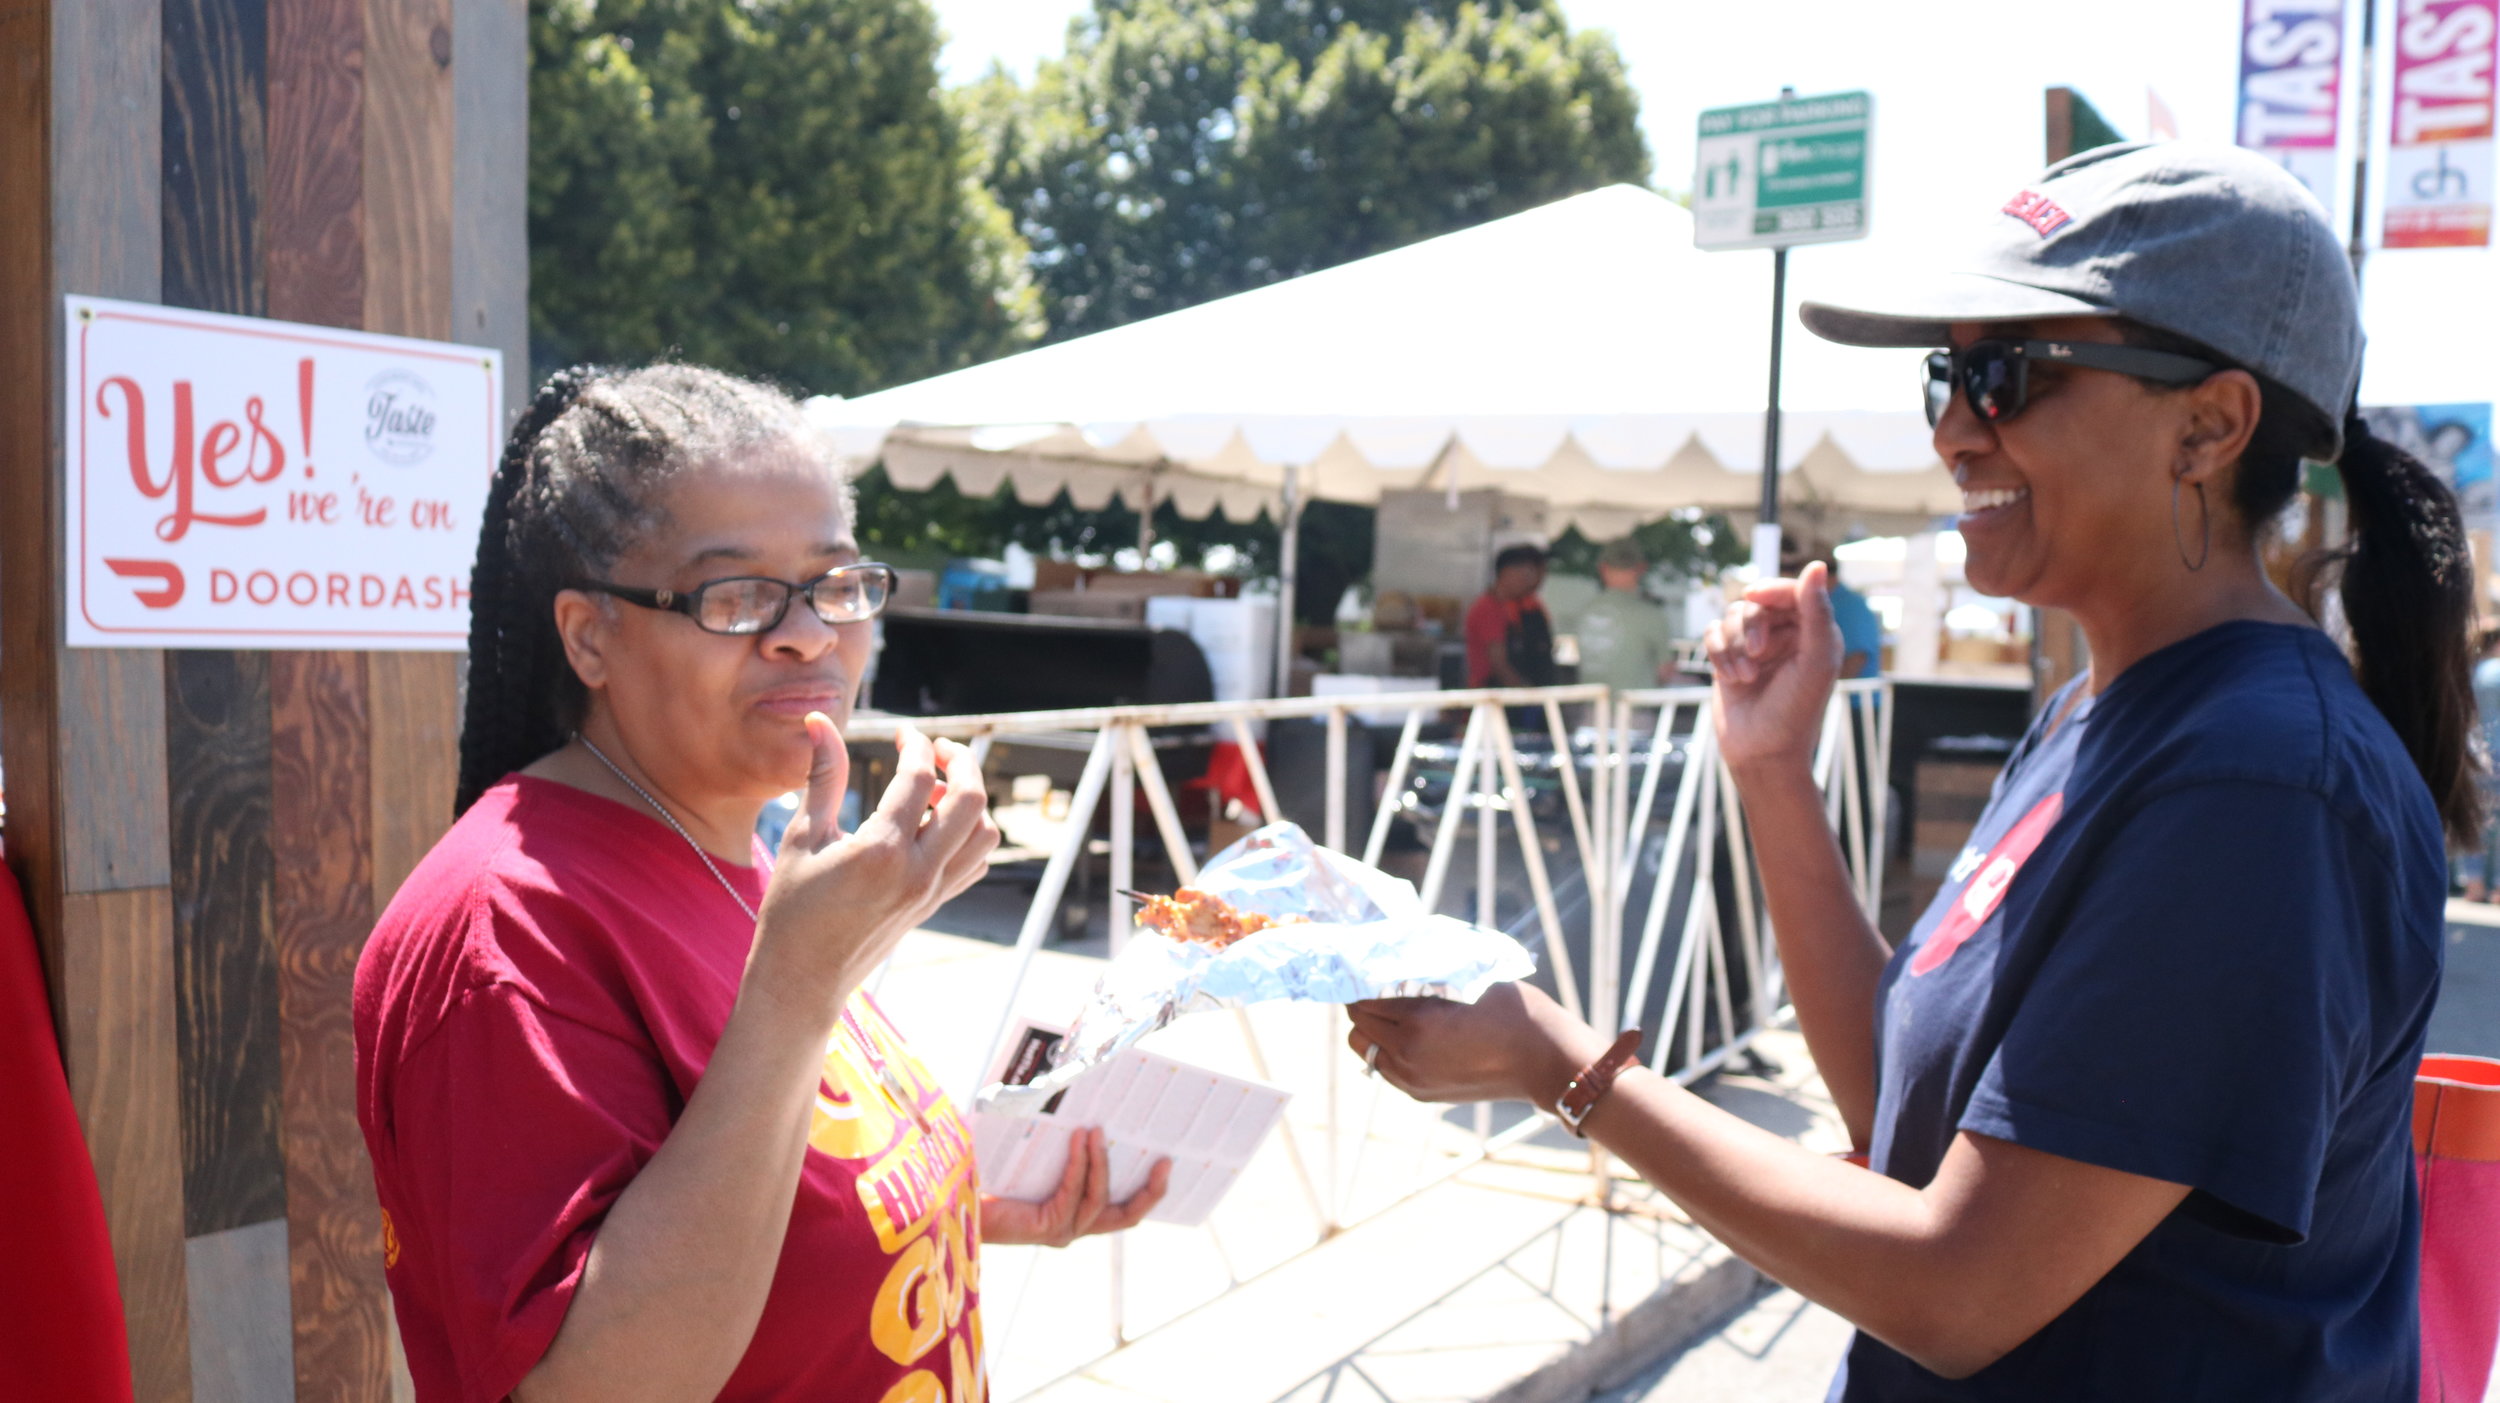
(531, 1015)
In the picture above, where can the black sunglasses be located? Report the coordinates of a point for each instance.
(1995, 376)
(749, 604)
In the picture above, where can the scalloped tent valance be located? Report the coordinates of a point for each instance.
(1583, 352)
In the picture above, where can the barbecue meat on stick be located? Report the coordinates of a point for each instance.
(1192, 915)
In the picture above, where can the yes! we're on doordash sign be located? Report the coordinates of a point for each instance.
(240, 483)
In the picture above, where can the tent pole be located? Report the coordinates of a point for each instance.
(1288, 558)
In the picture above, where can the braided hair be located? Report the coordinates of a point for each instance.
(578, 486)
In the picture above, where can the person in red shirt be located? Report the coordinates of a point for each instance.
(636, 1128)
(1510, 640)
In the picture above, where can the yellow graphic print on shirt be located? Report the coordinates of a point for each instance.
(878, 1106)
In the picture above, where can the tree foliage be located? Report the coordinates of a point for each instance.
(1186, 149)
(775, 187)
(941, 523)
(1687, 544)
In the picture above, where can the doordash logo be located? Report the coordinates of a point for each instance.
(241, 483)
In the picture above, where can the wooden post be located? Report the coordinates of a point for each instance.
(206, 836)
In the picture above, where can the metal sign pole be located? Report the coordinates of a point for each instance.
(1288, 562)
(2361, 158)
(1766, 531)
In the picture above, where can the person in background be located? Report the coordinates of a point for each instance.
(1861, 633)
(1510, 641)
(1624, 638)
(2480, 864)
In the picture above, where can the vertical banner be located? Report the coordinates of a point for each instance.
(2439, 156)
(2291, 82)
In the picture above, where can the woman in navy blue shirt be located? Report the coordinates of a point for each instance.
(2137, 1086)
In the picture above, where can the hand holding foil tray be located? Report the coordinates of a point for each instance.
(1348, 932)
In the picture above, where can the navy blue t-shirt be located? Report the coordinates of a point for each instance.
(2196, 936)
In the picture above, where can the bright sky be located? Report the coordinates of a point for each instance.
(1957, 87)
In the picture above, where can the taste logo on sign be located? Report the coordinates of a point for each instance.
(400, 418)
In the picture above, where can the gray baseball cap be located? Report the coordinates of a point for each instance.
(2213, 243)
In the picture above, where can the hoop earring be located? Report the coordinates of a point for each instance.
(2204, 530)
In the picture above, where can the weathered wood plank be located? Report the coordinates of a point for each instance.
(113, 769)
(408, 167)
(107, 81)
(315, 206)
(322, 776)
(217, 702)
(320, 760)
(216, 129)
(80, 94)
(490, 266)
(118, 1044)
(217, 739)
(241, 1349)
(415, 705)
(409, 152)
(29, 696)
(107, 77)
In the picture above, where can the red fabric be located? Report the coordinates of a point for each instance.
(531, 1015)
(1489, 621)
(2456, 1143)
(61, 1331)
(1228, 777)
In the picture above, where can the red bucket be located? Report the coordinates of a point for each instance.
(2456, 1148)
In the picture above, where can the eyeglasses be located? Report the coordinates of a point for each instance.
(747, 604)
(1995, 376)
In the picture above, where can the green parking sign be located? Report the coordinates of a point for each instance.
(1773, 174)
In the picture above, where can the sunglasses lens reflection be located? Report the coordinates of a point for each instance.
(1937, 383)
(1989, 379)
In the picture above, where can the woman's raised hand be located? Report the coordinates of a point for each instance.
(1775, 654)
(841, 901)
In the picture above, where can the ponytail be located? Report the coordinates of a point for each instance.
(2406, 582)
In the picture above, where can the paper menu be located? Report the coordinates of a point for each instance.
(1149, 1106)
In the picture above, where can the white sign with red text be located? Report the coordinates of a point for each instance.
(240, 483)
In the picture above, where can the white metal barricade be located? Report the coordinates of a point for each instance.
(1690, 867)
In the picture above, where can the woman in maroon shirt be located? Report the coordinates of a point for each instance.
(637, 1131)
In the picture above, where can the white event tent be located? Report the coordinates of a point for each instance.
(1583, 353)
